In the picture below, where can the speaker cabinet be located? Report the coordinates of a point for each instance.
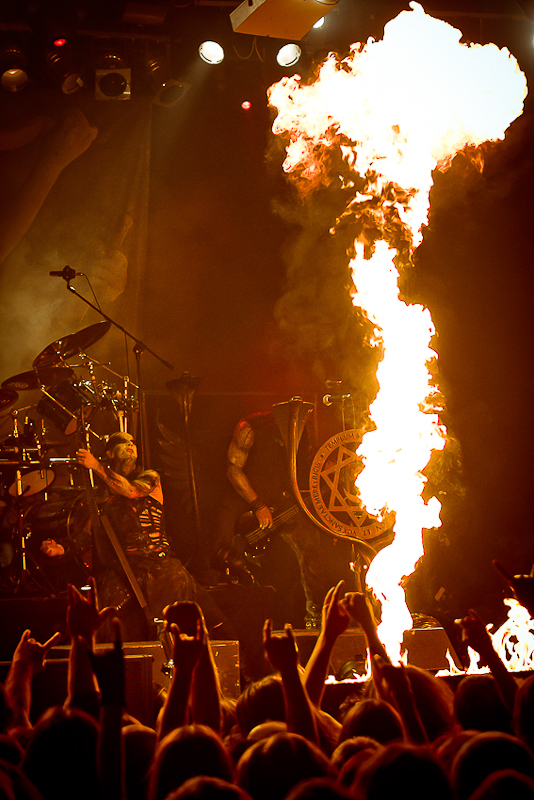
(49, 688)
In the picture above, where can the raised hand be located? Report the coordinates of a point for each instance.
(187, 650)
(335, 619)
(108, 667)
(281, 650)
(358, 607)
(32, 652)
(474, 632)
(83, 617)
(51, 548)
(185, 614)
(86, 459)
(522, 586)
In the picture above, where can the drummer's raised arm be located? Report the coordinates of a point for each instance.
(118, 484)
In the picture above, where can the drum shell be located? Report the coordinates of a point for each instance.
(67, 522)
(73, 396)
(58, 519)
(33, 482)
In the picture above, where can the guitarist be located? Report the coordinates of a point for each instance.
(258, 469)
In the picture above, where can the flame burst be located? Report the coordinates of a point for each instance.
(395, 110)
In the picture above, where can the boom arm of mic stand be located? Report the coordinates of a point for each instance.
(116, 324)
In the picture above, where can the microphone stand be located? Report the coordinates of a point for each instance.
(139, 348)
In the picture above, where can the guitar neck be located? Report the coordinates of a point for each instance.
(278, 520)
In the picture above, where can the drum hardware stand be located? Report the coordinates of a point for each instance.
(121, 403)
(139, 348)
(25, 579)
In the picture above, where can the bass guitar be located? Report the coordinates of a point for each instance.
(253, 540)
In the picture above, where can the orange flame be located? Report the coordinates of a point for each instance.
(397, 109)
(513, 642)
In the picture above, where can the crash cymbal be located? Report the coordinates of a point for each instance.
(7, 398)
(71, 345)
(45, 376)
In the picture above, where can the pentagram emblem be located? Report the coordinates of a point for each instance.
(336, 503)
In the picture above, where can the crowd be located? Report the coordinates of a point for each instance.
(406, 734)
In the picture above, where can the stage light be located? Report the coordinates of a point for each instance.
(246, 105)
(13, 66)
(279, 19)
(63, 71)
(211, 52)
(171, 93)
(113, 79)
(113, 84)
(288, 55)
(156, 72)
(59, 42)
(319, 23)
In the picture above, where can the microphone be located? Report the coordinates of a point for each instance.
(67, 273)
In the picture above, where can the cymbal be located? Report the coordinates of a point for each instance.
(71, 345)
(7, 398)
(45, 376)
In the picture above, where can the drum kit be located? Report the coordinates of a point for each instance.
(41, 493)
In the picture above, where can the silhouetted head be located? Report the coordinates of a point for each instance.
(261, 701)
(319, 789)
(373, 718)
(505, 784)
(273, 766)
(139, 742)
(188, 751)
(479, 706)
(484, 754)
(523, 716)
(208, 788)
(61, 755)
(434, 700)
(414, 769)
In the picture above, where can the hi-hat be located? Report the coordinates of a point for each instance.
(35, 379)
(71, 345)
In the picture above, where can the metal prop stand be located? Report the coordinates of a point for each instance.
(184, 389)
(291, 423)
(139, 348)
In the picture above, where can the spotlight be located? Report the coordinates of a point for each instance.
(113, 78)
(211, 52)
(156, 73)
(319, 23)
(171, 93)
(288, 55)
(13, 67)
(113, 84)
(63, 71)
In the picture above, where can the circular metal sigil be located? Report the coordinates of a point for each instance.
(332, 491)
